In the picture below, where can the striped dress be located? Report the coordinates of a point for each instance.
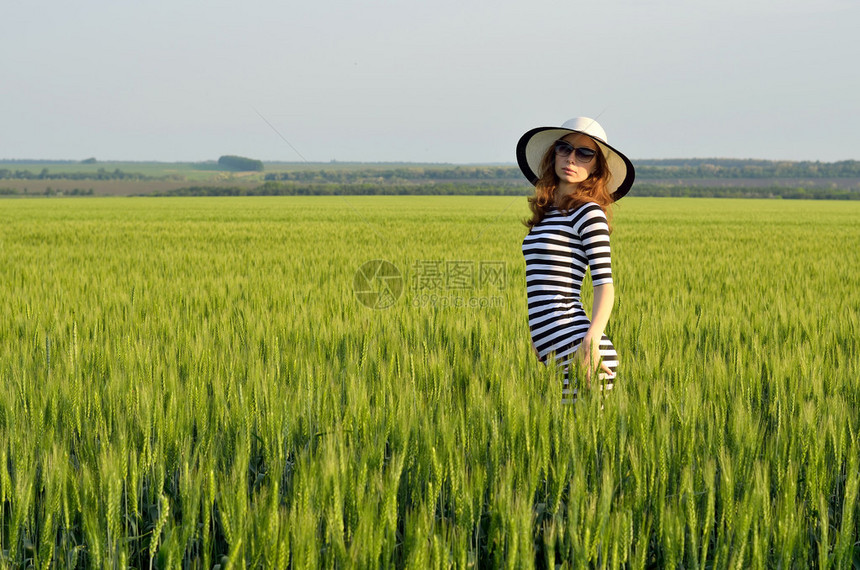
(557, 252)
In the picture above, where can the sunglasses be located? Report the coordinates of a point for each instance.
(582, 154)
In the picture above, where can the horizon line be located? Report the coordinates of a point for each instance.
(379, 162)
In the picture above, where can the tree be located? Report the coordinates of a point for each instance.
(240, 163)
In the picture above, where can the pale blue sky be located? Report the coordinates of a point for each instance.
(442, 81)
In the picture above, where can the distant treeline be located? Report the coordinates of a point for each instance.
(731, 168)
(361, 189)
(645, 170)
(395, 174)
(329, 189)
(47, 192)
(648, 170)
(100, 174)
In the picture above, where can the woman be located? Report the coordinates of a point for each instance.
(577, 177)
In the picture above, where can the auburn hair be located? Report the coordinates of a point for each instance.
(592, 189)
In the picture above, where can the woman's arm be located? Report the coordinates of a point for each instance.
(593, 229)
(604, 298)
(589, 349)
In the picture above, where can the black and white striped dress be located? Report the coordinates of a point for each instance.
(558, 251)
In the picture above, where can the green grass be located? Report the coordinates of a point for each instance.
(194, 382)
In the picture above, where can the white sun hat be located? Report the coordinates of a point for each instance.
(533, 145)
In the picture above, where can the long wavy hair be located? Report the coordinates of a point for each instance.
(592, 189)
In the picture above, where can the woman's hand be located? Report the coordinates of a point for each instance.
(587, 358)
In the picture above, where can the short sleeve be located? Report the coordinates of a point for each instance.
(593, 231)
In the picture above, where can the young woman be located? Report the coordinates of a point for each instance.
(577, 177)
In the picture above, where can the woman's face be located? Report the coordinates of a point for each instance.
(572, 169)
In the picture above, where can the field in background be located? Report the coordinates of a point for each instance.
(682, 177)
(169, 175)
(200, 381)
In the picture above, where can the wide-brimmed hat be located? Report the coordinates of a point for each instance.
(533, 145)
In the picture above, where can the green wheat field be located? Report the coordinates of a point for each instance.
(201, 383)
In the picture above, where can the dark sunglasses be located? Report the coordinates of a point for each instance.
(582, 154)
